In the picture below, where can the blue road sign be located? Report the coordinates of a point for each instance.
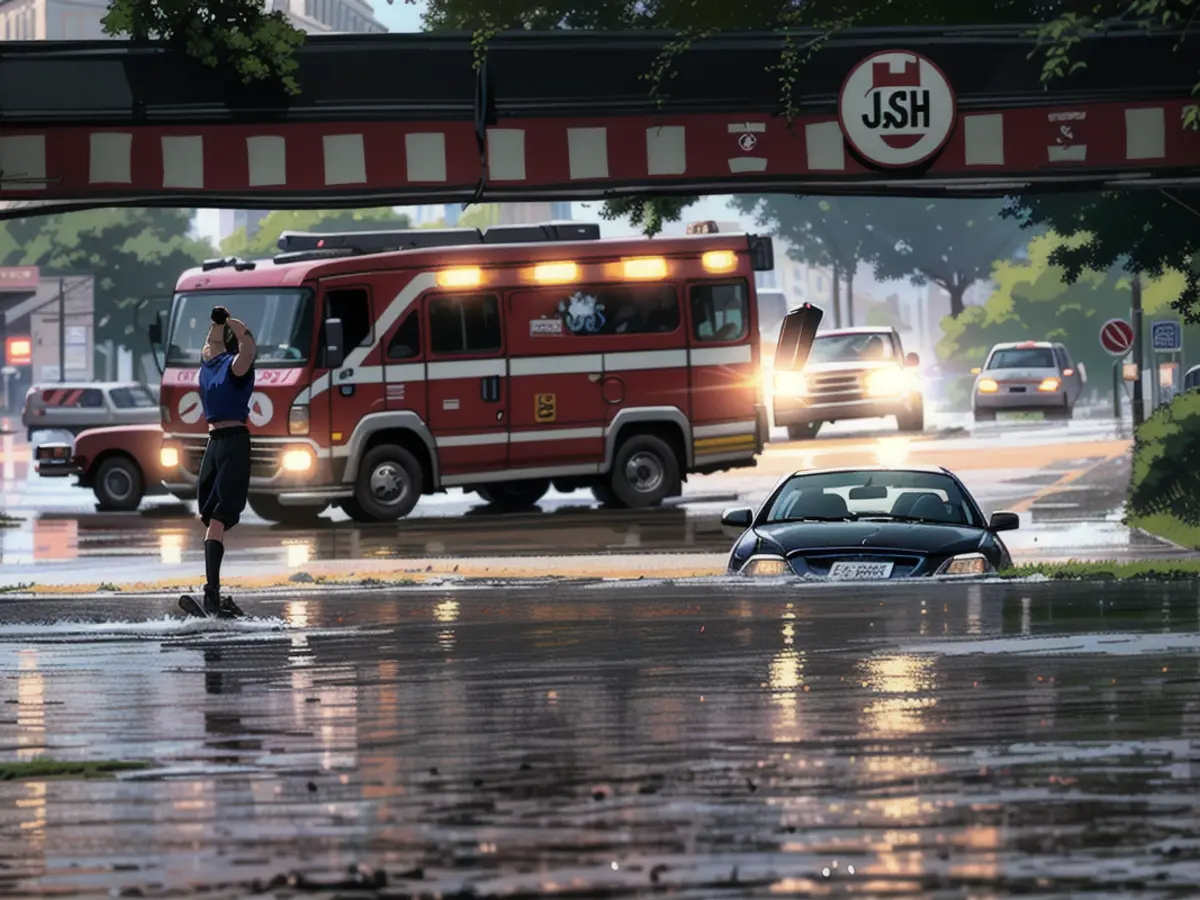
(1166, 336)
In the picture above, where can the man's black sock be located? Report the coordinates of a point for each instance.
(214, 551)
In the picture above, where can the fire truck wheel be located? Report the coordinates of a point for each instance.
(118, 484)
(644, 472)
(389, 483)
(805, 431)
(515, 494)
(267, 507)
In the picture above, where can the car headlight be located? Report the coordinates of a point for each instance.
(966, 564)
(987, 386)
(766, 567)
(885, 383)
(1049, 384)
(790, 383)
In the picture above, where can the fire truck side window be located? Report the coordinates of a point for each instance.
(464, 323)
(406, 342)
(353, 307)
(720, 312)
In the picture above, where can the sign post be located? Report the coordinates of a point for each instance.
(1166, 337)
(1116, 337)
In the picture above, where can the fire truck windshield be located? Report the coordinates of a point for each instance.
(281, 321)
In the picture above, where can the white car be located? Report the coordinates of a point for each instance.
(1031, 376)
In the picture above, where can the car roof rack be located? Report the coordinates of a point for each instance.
(299, 245)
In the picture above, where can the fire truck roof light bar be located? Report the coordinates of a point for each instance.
(421, 238)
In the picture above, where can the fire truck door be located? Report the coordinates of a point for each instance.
(725, 378)
(353, 390)
(467, 382)
(404, 364)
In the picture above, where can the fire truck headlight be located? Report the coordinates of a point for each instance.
(645, 267)
(298, 420)
(790, 383)
(169, 457)
(464, 277)
(298, 459)
(556, 273)
(719, 260)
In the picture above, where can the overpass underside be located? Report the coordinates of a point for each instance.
(402, 119)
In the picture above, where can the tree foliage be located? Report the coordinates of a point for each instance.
(952, 243)
(1033, 301)
(1166, 463)
(134, 254)
(263, 243)
(241, 35)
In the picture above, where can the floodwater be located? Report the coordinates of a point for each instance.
(597, 740)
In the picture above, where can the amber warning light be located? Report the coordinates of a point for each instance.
(18, 351)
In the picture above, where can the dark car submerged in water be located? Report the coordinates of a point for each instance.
(869, 524)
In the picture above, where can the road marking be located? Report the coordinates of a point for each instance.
(1074, 475)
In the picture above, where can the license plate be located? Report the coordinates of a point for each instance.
(861, 571)
(1016, 390)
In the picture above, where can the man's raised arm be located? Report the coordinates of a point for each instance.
(247, 349)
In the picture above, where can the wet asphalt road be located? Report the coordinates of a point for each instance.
(65, 540)
(594, 740)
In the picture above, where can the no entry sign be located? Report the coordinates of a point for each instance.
(1116, 336)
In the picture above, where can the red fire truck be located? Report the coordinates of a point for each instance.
(396, 364)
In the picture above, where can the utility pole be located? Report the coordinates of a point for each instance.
(850, 294)
(1135, 319)
(837, 299)
(62, 331)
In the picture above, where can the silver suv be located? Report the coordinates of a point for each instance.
(1031, 376)
(75, 406)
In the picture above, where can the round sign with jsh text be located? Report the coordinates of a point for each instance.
(896, 109)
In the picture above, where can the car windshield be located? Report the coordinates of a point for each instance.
(1022, 358)
(280, 320)
(851, 348)
(900, 495)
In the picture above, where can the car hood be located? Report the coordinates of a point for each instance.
(911, 537)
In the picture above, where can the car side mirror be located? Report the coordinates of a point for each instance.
(154, 332)
(912, 360)
(738, 519)
(1004, 521)
(333, 354)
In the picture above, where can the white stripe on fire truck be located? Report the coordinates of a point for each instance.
(533, 435)
(726, 429)
(721, 356)
(471, 368)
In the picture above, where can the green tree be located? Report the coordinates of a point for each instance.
(1033, 301)
(264, 242)
(133, 253)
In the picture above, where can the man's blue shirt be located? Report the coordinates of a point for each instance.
(226, 396)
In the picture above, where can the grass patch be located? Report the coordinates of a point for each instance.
(1135, 570)
(1167, 527)
(44, 767)
(19, 588)
(9, 521)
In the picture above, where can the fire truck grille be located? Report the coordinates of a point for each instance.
(264, 458)
(835, 386)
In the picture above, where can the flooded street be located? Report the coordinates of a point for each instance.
(602, 740)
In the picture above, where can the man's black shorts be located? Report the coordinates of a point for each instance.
(224, 476)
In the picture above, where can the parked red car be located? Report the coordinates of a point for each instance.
(121, 464)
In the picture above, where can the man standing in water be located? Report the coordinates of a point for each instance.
(226, 383)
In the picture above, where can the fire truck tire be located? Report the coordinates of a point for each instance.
(644, 472)
(515, 494)
(806, 431)
(389, 484)
(604, 496)
(119, 484)
(267, 507)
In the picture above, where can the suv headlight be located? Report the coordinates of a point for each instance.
(790, 382)
(966, 564)
(885, 382)
(766, 567)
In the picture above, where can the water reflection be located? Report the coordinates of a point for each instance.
(786, 678)
(31, 706)
(906, 683)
